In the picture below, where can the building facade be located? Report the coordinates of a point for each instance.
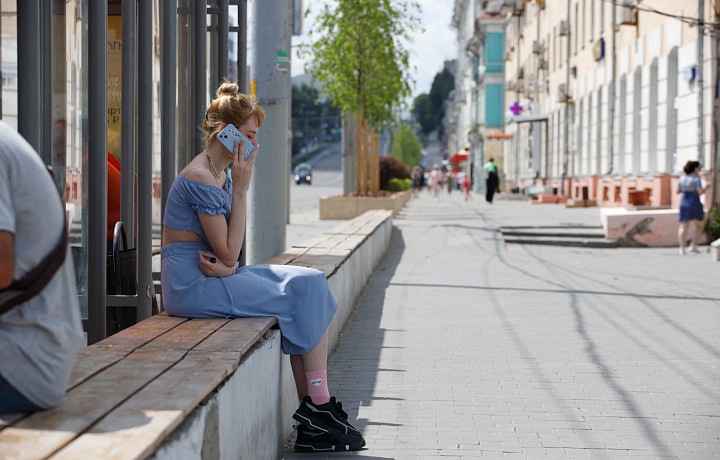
(607, 110)
(478, 100)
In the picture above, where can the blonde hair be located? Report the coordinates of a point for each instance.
(229, 107)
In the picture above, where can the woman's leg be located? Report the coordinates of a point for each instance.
(682, 230)
(298, 369)
(696, 226)
(316, 359)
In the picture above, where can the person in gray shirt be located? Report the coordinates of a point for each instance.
(39, 338)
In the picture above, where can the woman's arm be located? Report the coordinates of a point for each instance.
(226, 238)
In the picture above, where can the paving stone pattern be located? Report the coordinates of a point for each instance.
(462, 347)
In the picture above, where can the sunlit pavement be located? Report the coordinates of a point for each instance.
(463, 347)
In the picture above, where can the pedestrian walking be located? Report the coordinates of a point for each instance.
(466, 186)
(436, 177)
(450, 181)
(40, 328)
(416, 178)
(691, 210)
(491, 179)
(202, 235)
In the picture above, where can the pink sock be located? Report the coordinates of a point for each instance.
(317, 386)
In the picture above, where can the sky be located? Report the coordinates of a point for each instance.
(428, 50)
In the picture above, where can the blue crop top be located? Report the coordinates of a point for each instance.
(186, 198)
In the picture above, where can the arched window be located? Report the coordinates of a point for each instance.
(653, 118)
(671, 128)
(637, 127)
(577, 166)
(622, 125)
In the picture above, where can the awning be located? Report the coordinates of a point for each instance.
(498, 136)
(531, 118)
(458, 157)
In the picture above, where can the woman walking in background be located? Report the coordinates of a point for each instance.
(691, 210)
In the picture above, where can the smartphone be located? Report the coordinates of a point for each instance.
(229, 135)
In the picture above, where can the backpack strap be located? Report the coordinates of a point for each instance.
(35, 280)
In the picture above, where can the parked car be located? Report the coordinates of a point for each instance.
(303, 173)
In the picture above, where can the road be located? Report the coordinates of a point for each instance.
(327, 179)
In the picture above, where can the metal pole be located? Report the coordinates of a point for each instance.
(127, 121)
(47, 114)
(145, 290)
(242, 81)
(271, 31)
(223, 32)
(29, 71)
(200, 77)
(700, 83)
(167, 120)
(566, 157)
(611, 102)
(97, 168)
(242, 47)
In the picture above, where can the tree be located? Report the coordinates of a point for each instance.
(429, 108)
(406, 146)
(422, 107)
(312, 118)
(359, 57)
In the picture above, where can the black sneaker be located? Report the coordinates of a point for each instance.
(328, 418)
(319, 441)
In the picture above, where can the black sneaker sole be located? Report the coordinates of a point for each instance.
(325, 447)
(319, 425)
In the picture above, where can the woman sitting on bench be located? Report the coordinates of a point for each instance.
(203, 232)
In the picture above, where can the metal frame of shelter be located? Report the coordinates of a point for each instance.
(35, 89)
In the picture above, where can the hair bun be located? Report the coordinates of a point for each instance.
(227, 88)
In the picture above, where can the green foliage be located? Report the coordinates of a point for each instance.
(406, 146)
(306, 103)
(392, 168)
(712, 224)
(357, 53)
(428, 108)
(422, 107)
(398, 185)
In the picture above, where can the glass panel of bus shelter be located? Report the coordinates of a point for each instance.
(8, 63)
(70, 125)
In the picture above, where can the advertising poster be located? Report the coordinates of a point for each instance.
(114, 56)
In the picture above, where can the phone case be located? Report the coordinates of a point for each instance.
(229, 135)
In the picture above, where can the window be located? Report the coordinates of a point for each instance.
(652, 132)
(671, 128)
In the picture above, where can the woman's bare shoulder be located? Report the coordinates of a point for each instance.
(201, 175)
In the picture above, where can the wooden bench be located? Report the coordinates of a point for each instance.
(129, 392)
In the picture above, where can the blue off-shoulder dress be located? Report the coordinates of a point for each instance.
(299, 297)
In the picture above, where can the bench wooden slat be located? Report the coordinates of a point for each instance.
(9, 419)
(103, 354)
(351, 242)
(138, 426)
(42, 433)
(237, 335)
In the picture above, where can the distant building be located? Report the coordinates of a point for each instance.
(477, 105)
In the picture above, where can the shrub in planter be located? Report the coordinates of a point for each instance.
(398, 185)
(712, 224)
(392, 168)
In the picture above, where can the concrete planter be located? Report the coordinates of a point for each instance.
(349, 207)
(647, 228)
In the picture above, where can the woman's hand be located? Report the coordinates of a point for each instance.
(211, 265)
(242, 170)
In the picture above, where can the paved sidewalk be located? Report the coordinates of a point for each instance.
(461, 347)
